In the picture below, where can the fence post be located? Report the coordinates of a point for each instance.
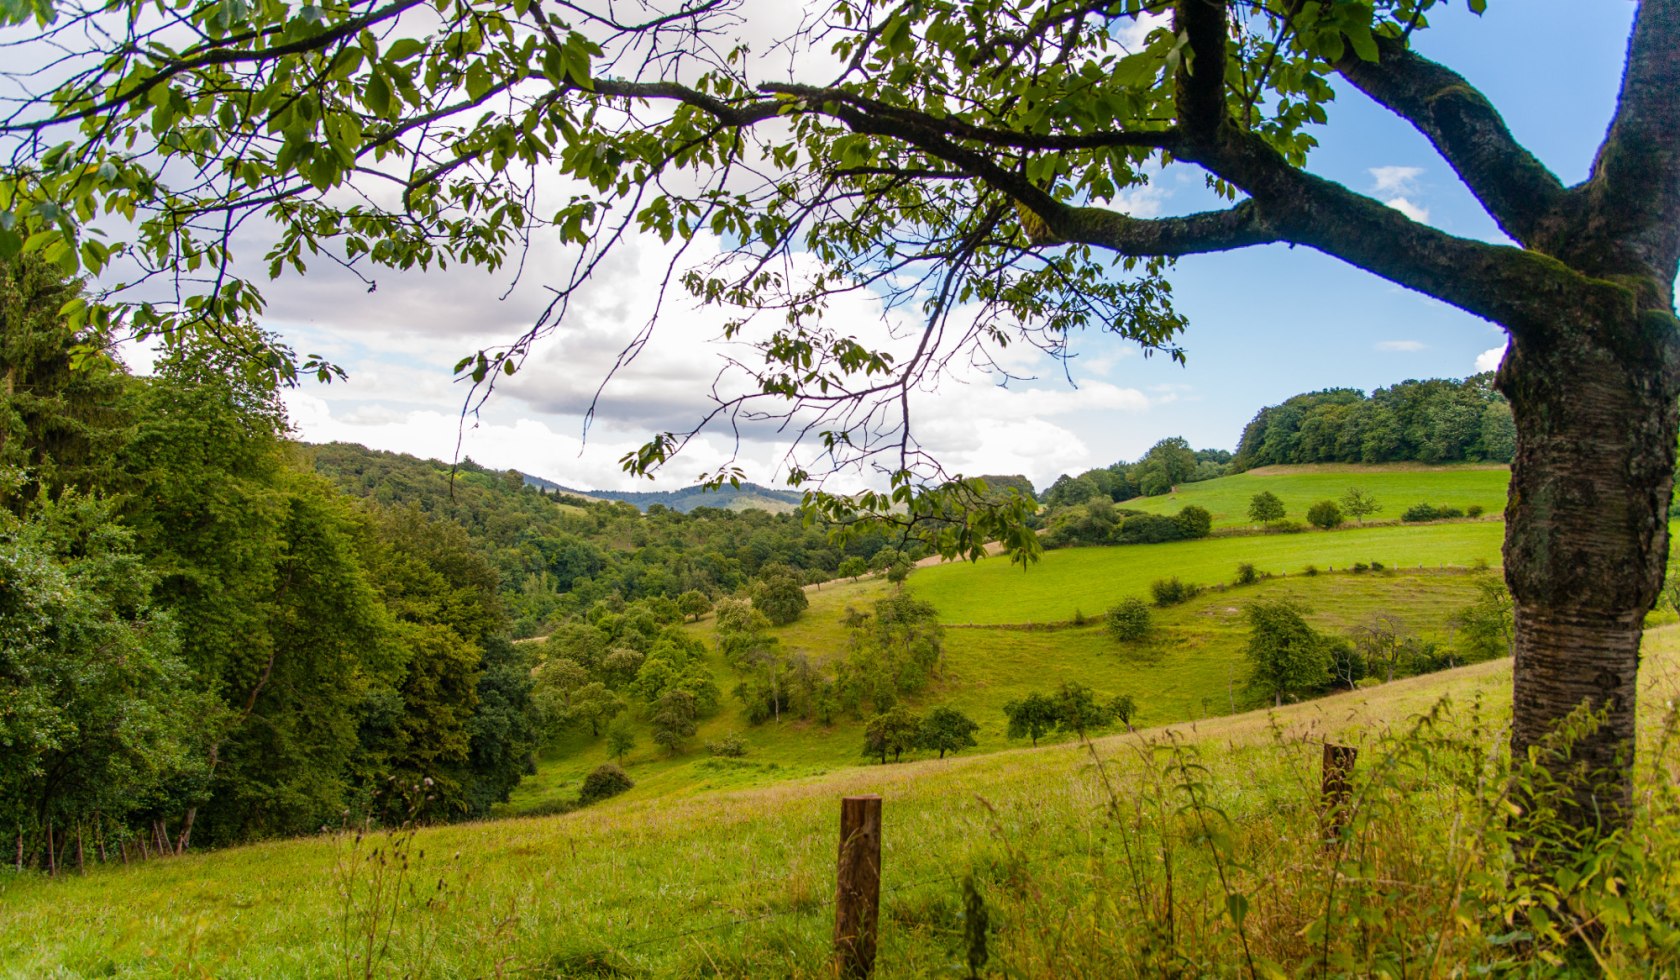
(857, 896)
(1338, 787)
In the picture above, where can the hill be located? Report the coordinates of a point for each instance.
(739, 883)
(1396, 487)
(747, 496)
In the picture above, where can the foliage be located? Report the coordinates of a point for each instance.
(1077, 709)
(1325, 515)
(1171, 591)
(946, 729)
(895, 730)
(621, 738)
(779, 595)
(674, 719)
(603, 781)
(1437, 421)
(1487, 625)
(1247, 574)
(1358, 503)
(1128, 620)
(694, 604)
(1123, 708)
(731, 746)
(1031, 717)
(1289, 658)
(1265, 507)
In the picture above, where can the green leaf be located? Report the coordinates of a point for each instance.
(404, 49)
(1237, 905)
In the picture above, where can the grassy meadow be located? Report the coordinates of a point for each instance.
(1396, 487)
(739, 883)
(1070, 581)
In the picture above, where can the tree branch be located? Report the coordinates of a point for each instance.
(1516, 188)
(1635, 185)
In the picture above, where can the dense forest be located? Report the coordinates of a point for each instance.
(1437, 421)
(210, 633)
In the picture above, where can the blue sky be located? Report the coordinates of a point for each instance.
(1265, 323)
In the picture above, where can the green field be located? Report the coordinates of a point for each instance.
(739, 883)
(1193, 668)
(1089, 580)
(1396, 486)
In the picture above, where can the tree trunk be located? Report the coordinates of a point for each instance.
(1586, 539)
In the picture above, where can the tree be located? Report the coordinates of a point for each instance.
(1031, 716)
(675, 716)
(1124, 708)
(694, 604)
(1324, 514)
(1265, 507)
(1486, 624)
(621, 738)
(1288, 658)
(1128, 620)
(893, 730)
(854, 567)
(780, 596)
(948, 730)
(1077, 709)
(1358, 504)
(928, 176)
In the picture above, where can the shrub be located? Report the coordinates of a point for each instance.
(1419, 512)
(1310, 570)
(1446, 513)
(1474, 510)
(1376, 566)
(1247, 574)
(1287, 527)
(1194, 522)
(1150, 529)
(603, 781)
(731, 745)
(1128, 620)
(1324, 514)
(1359, 568)
(1171, 592)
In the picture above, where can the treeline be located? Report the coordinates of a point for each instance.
(1437, 421)
(558, 555)
(204, 642)
(1167, 464)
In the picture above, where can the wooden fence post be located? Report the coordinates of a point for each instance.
(857, 897)
(1338, 787)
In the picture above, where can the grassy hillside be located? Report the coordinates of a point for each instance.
(1396, 486)
(739, 883)
(1193, 668)
(1089, 580)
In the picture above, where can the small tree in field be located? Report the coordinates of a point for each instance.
(894, 730)
(1077, 709)
(1031, 717)
(948, 730)
(620, 738)
(1289, 658)
(675, 717)
(1124, 708)
(1325, 514)
(1128, 620)
(694, 604)
(1358, 504)
(854, 567)
(1265, 507)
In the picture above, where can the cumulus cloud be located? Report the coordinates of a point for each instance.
(1397, 187)
(1489, 359)
(1406, 346)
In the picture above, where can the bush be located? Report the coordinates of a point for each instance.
(1128, 620)
(1171, 592)
(1376, 566)
(1419, 512)
(731, 745)
(1150, 529)
(1474, 510)
(1194, 522)
(1287, 527)
(1310, 570)
(1324, 514)
(1247, 574)
(603, 781)
(1360, 568)
(1446, 513)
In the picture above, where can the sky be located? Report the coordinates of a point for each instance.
(1265, 323)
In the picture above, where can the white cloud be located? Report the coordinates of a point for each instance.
(1407, 346)
(1398, 188)
(1489, 359)
(1394, 180)
(1405, 206)
(1132, 33)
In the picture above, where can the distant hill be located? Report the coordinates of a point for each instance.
(748, 496)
